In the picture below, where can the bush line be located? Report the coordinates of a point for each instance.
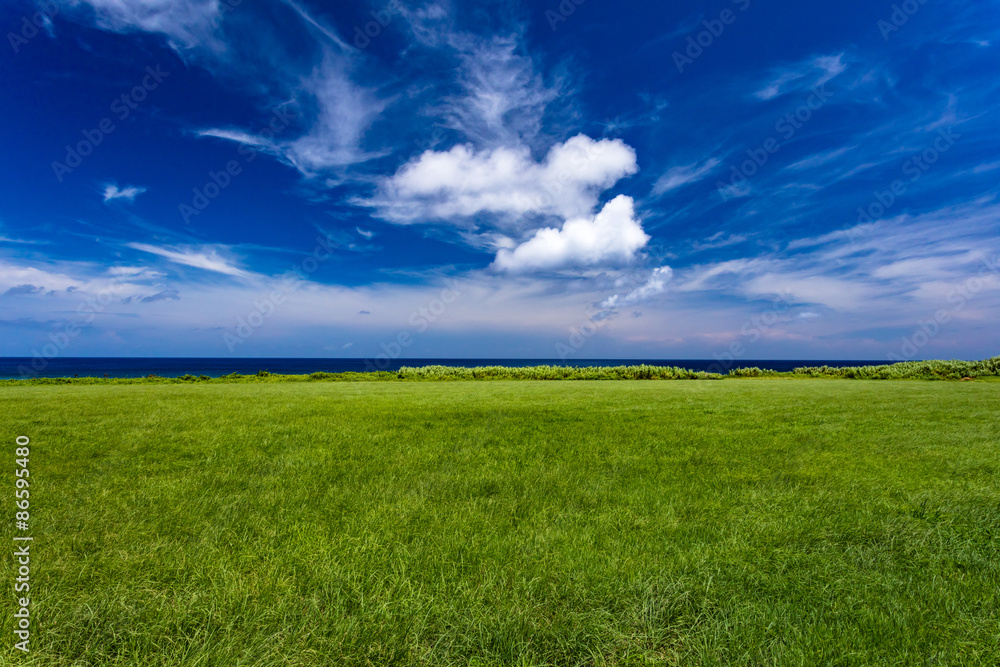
(907, 370)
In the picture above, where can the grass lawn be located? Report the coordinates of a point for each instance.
(744, 522)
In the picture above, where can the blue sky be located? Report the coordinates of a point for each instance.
(732, 179)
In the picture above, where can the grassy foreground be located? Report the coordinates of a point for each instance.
(761, 522)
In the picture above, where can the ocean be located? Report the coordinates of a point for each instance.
(130, 367)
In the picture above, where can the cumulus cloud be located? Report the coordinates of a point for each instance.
(463, 182)
(112, 191)
(612, 237)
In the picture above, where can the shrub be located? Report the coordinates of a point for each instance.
(910, 370)
(752, 372)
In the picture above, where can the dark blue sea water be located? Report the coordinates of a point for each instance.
(128, 367)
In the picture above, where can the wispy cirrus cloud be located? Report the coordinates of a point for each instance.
(503, 99)
(128, 193)
(676, 177)
(207, 259)
(821, 158)
(186, 24)
(332, 110)
(652, 286)
(812, 72)
(883, 269)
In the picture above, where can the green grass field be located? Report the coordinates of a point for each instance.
(745, 522)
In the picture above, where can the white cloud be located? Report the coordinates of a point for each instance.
(736, 190)
(335, 112)
(13, 276)
(719, 240)
(187, 24)
(836, 235)
(257, 141)
(844, 294)
(813, 72)
(699, 278)
(613, 236)
(209, 260)
(820, 159)
(504, 99)
(654, 285)
(879, 272)
(317, 25)
(75, 280)
(678, 176)
(462, 182)
(112, 191)
(343, 111)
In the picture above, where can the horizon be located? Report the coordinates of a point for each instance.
(27, 368)
(525, 180)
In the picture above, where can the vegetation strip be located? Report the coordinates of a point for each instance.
(907, 370)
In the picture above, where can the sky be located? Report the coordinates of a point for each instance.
(731, 179)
